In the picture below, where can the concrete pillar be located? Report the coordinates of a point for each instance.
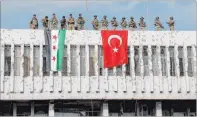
(32, 108)
(51, 108)
(104, 109)
(14, 109)
(158, 109)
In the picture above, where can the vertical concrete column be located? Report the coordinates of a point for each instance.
(51, 108)
(14, 109)
(158, 109)
(104, 109)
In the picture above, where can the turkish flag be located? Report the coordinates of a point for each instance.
(114, 47)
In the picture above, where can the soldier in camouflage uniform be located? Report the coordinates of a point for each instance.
(104, 23)
(142, 24)
(132, 24)
(80, 22)
(114, 23)
(158, 24)
(123, 23)
(63, 22)
(95, 23)
(71, 23)
(45, 22)
(34, 22)
(171, 23)
(54, 22)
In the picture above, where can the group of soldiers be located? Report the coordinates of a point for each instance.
(97, 25)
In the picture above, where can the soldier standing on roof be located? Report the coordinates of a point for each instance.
(171, 23)
(132, 24)
(54, 22)
(114, 23)
(45, 22)
(34, 22)
(71, 23)
(142, 24)
(63, 22)
(104, 23)
(95, 23)
(123, 23)
(158, 24)
(80, 22)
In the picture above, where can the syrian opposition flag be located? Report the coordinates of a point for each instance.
(57, 49)
(114, 47)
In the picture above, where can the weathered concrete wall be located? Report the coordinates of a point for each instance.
(98, 86)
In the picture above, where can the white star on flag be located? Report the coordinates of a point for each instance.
(115, 49)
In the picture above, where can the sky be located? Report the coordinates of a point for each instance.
(16, 14)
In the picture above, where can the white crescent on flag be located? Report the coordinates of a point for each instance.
(116, 37)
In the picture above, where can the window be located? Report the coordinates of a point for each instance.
(77, 108)
(83, 61)
(189, 60)
(172, 61)
(136, 61)
(17, 60)
(73, 60)
(92, 60)
(100, 60)
(128, 72)
(36, 60)
(41, 108)
(65, 60)
(7, 65)
(180, 56)
(163, 61)
(46, 66)
(26, 67)
(154, 57)
(145, 61)
(119, 70)
(6, 108)
(24, 109)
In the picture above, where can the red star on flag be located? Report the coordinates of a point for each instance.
(53, 58)
(54, 37)
(54, 47)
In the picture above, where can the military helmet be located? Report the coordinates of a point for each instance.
(131, 17)
(46, 16)
(70, 14)
(34, 15)
(123, 18)
(95, 15)
(114, 17)
(142, 18)
(63, 16)
(53, 13)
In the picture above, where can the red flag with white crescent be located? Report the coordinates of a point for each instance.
(114, 47)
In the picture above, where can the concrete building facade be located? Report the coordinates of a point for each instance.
(160, 79)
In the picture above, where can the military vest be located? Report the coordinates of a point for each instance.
(104, 22)
(54, 21)
(123, 23)
(132, 24)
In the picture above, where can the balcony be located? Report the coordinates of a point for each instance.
(162, 65)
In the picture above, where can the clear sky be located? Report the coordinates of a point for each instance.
(16, 14)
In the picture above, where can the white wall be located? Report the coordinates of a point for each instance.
(96, 87)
